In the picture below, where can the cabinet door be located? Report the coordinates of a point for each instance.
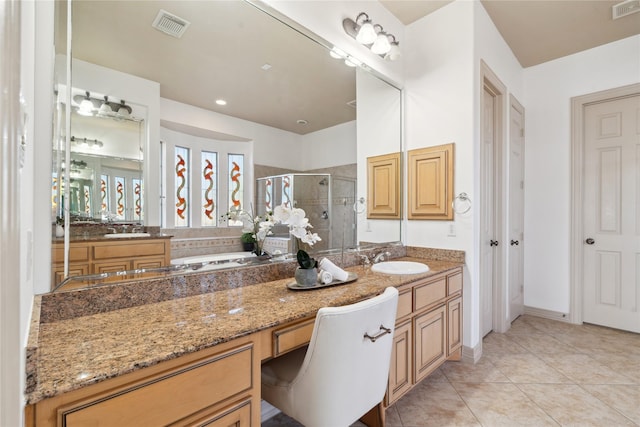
(237, 416)
(111, 266)
(430, 335)
(154, 262)
(401, 362)
(383, 186)
(430, 189)
(74, 270)
(454, 325)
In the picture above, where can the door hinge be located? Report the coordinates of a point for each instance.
(522, 132)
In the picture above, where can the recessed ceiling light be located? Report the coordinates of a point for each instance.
(266, 67)
(221, 102)
(302, 122)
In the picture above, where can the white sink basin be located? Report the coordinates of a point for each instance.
(400, 267)
(125, 235)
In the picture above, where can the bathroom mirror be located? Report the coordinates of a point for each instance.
(292, 84)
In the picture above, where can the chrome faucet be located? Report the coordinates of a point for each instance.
(381, 256)
(111, 230)
(137, 228)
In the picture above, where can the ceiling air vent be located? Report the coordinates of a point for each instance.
(625, 8)
(170, 24)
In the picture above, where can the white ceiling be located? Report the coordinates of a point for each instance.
(222, 52)
(538, 31)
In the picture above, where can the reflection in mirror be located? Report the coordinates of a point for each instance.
(106, 168)
(289, 112)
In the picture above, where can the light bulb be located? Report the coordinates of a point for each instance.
(394, 52)
(105, 108)
(366, 33)
(381, 46)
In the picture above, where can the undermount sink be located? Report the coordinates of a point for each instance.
(400, 267)
(125, 235)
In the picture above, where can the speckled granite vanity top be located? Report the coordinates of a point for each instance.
(71, 353)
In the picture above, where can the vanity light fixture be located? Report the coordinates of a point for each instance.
(89, 106)
(88, 142)
(86, 106)
(373, 36)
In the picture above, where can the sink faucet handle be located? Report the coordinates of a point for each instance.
(365, 260)
(111, 229)
(381, 256)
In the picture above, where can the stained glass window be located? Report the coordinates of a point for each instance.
(236, 180)
(104, 193)
(286, 191)
(209, 188)
(121, 200)
(138, 191)
(182, 201)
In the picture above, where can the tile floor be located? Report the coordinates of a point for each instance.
(540, 373)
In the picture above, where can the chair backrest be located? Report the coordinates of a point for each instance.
(344, 373)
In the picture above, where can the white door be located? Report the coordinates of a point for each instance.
(516, 211)
(487, 215)
(611, 214)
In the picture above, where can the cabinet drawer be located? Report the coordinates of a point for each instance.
(429, 293)
(237, 415)
(454, 283)
(170, 397)
(76, 253)
(128, 250)
(405, 303)
(292, 337)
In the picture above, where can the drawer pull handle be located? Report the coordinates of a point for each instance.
(384, 331)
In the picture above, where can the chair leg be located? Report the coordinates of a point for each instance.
(375, 416)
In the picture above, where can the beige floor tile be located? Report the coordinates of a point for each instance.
(437, 376)
(583, 369)
(434, 404)
(527, 368)
(550, 326)
(623, 398)
(392, 419)
(571, 405)
(538, 342)
(520, 326)
(502, 405)
(500, 344)
(626, 365)
(482, 372)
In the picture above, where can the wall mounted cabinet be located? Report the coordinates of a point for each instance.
(430, 186)
(383, 187)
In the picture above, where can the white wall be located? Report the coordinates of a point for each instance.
(549, 88)
(329, 147)
(443, 105)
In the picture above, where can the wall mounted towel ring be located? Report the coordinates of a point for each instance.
(360, 206)
(461, 203)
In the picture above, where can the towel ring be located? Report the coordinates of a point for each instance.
(461, 203)
(359, 206)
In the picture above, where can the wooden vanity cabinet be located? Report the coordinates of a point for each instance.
(219, 386)
(107, 256)
(428, 330)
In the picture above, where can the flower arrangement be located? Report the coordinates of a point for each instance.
(260, 227)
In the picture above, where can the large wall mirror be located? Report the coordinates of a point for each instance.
(292, 109)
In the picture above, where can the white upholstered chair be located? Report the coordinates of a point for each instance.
(343, 372)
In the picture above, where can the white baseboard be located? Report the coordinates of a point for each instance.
(472, 354)
(267, 411)
(546, 314)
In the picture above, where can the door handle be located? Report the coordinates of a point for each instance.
(589, 241)
(515, 243)
(493, 243)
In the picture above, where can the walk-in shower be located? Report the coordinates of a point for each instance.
(327, 200)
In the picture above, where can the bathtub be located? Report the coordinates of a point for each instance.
(213, 261)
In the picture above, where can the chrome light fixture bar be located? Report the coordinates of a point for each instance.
(364, 31)
(89, 106)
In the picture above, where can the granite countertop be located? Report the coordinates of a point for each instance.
(73, 353)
